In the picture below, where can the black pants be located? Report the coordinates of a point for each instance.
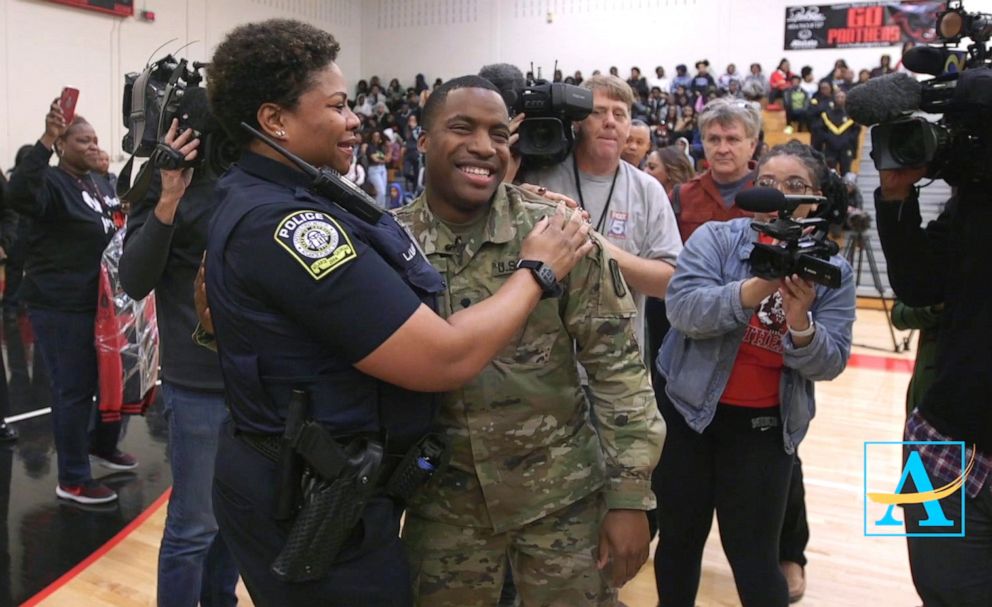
(950, 571)
(657, 326)
(372, 572)
(739, 468)
(795, 528)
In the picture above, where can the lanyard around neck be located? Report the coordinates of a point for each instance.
(582, 201)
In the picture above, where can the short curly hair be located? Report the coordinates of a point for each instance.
(269, 62)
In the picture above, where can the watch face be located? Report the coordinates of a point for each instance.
(547, 276)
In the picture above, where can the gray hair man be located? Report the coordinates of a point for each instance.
(729, 129)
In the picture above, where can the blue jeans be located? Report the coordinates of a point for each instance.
(378, 176)
(66, 342)
(194, 565)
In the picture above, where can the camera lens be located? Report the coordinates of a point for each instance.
(909, 143)
(541, 136)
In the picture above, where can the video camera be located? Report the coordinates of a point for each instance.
(958, 147)
(802, 248)
(165, 90)
(546, 134)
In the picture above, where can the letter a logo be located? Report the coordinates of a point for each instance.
(914, 468)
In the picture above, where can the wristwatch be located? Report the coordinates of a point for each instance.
(544, 276)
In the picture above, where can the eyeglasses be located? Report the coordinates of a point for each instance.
(794, 186)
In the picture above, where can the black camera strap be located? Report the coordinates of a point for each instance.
(609, 197)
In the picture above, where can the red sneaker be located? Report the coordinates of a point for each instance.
(118, 460)
(92, 492)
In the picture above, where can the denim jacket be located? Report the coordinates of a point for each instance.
(708, 325)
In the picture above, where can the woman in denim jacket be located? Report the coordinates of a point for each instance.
(740, 362)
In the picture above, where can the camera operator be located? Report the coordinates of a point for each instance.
(166, 237)
(626, 205)
(948, 262)
(739, 363)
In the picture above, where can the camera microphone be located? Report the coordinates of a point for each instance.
(883, 99)
(770, 200)
(932, 60)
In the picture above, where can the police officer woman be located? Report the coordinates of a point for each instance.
(306, 296)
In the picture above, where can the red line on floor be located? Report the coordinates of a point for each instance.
(880, 363)
(99, 552)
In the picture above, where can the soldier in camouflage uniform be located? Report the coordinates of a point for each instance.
(529, 478)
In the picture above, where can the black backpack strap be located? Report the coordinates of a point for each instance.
(133, 193)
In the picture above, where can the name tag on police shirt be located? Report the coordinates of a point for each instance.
(316, 241)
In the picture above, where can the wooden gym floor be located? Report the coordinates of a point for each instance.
(845, 568)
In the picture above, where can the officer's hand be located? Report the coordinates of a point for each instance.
(543, 192)
(624, 541)
(898, 184)
(558, 241)
(200, 297)
(174, 183)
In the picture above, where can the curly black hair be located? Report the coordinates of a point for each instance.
(830, 184)
(269, 62)
(810, 158)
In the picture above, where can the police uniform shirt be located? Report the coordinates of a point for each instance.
(292, 258)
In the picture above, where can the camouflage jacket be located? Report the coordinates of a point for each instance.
(524, 441)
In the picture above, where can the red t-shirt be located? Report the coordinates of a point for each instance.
(754, 380)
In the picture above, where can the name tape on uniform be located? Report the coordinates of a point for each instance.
(316, 241)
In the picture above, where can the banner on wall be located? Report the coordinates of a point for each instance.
(860, 25)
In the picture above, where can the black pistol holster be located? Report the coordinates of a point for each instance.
(330, 484)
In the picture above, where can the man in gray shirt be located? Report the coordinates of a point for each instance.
(626, 205)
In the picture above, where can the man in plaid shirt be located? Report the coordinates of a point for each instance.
(951, 262)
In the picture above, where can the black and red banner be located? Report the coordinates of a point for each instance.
(862, 24)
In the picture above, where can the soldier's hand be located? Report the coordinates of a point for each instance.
(624, 541)
(558, 241)
(200, 297)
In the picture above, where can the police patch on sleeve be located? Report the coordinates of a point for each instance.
(316, 241)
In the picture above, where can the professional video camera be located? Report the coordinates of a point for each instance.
(546, 134)
(958, 147)
(164, 90)
(802, 248)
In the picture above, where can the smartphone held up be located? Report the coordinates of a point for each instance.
(67, 103)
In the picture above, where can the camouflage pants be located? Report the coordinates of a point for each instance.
(553, 561)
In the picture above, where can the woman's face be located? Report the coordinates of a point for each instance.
(689, 112)
(656, 168)
(790, 176)
(79, 148)
(321, 129)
